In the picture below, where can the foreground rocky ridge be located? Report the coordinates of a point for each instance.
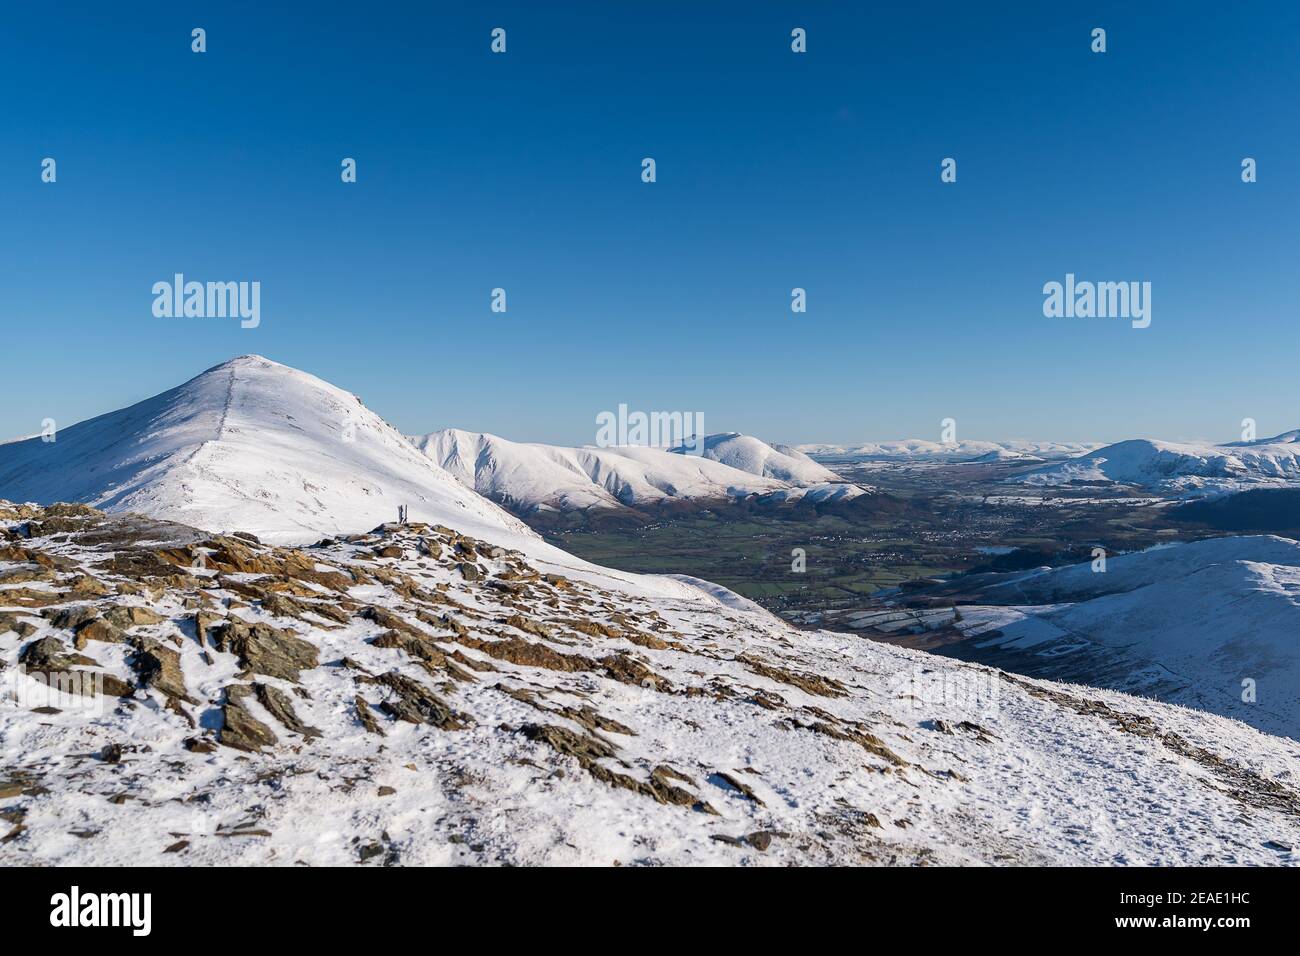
(414, 695)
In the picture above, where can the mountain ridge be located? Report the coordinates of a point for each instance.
(247, 443)
(535, 477)
(1180, 467)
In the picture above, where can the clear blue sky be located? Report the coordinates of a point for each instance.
(775, 170)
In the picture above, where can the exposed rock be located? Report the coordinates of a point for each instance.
(88, 586)
(50, 653)
(366, 717)
(160, 668)
(98, 629)
(267, 650)
(808, 683)
(742, 788)
(129, 615)
(279, 706)
(241, 730)
(416, 704)
(10, 622)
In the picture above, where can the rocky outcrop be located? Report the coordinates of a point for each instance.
(240, 729)
(264, 649)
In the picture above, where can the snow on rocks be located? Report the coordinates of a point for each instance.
(364, 701)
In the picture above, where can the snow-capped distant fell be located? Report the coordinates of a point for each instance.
(919, 449)
(746, 453)
(1006, 454)
(1184, 468)
(249, 445)
(530, 477)
(1195, 624)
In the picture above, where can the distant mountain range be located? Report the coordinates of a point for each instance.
(255, 445)
(1181, 468)
(919, 449)
(529, 478)
(454, 689)
(1185, 469)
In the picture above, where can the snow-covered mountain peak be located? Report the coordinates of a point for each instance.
(249, 444)
(532, 477)
(1180, 466)
(750, 454)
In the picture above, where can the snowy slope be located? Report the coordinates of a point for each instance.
(252, 445)
(527, 477)
(432, 716)
(746, 453)
(1186, 623)
(257, 446)
(918, 449)
(1170, 466)
(1004, 454)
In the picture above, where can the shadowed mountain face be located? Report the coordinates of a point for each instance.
(1263, 510)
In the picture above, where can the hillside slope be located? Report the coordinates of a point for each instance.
(415, 696)
(1185, 623)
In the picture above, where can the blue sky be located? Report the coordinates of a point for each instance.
(775, 170)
